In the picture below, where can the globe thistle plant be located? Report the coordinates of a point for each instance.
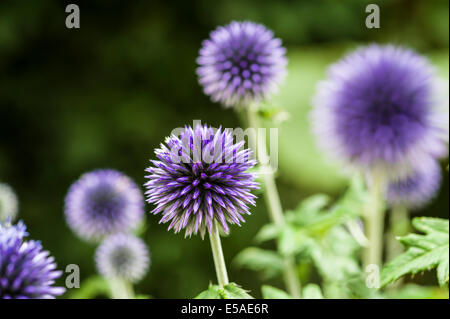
(417, 189)
(379, 110)
(200, 177)
(103, 202)
(8, 203)
(26, 270)
(199, 183)
(123, 256)
(241, 63)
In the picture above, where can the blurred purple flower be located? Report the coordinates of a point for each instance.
(241, 63)
(123, 256)
(416, 190)
(26, 271)
(379, 109)
(103, 202)
(201, 178)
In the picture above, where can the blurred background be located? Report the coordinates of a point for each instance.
(105, 95)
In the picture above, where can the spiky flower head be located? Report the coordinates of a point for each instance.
(418, 189)
(241, 63)
(379, 109)
(201, 177)
(103, 202)
(8, 203)
(123, 256)
(26, 270)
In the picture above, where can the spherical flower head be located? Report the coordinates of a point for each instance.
(26, 270)
(379, 109)
(123, 256)
(241, 63)
(201, 178)
(9, 205)
(103, 202)
(417, 189)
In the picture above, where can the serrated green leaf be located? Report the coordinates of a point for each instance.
(424, 252)
(287, 241)
(267, 232)
(313, 204)
(430, 224)
(230, 291)
(213, 292)
(234, 291)
(270, 292)
(312, 291)
(257, 259)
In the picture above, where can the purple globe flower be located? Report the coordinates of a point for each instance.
(241, 63)
(123, 256)
(103, 202)
(379, 109)
(201, 178)
(26, 270)
(417, 189)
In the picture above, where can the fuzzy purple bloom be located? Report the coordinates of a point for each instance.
(103, 202)
(123, 256)
(379, 109)
(417, 189)
(241, 63)
(26, 270)
(201, 177)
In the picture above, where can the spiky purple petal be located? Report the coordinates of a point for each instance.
(241, 63)
(201, 178)
(26, 270)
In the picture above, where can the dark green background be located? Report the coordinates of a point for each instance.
(107, 94)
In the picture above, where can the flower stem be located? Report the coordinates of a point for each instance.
(121, 288)
(374, 217)
(219, 260)
(273, 202)
(398, 226)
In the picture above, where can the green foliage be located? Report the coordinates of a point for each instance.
(257, 259)
(315, 232)
(92, 287)
(412, 291)
(424, 252)
(312, 291)
(270, 292)
(230, 291)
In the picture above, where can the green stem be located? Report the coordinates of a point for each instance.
(219, 260)
(273, 202)
(121, 288)
(398, 226)
(374, 217)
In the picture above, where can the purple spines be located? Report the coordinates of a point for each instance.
(378, 109)
(417, 189)
(26, 270)
(103, 202)
(123, 256)
(201, 177)
(241, 63)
